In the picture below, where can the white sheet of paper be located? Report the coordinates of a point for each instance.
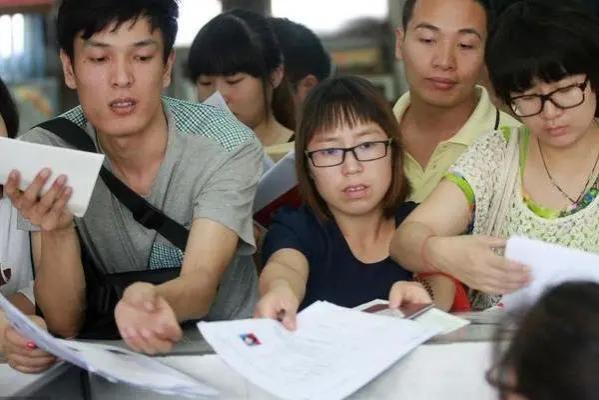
(217, 100)
(80, 167)
(113, 363)
(445, 322)
(551, 265)
(278, 180)
(333, 353)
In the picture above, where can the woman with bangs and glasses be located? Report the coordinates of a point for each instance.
(540, 181)
(336, 246)
(237, 54)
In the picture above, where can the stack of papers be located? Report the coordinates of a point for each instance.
(113, 363)
(333, 352)
(550, 265)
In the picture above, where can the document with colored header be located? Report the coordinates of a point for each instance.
(113, 363)
(550, 265)
(334, 351)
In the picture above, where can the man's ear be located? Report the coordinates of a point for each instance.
(68, 70)
(304, 86)
(276, 77)
(308, 82)
(168, 69)
(399, 38)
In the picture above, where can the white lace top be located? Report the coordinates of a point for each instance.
(480, 167)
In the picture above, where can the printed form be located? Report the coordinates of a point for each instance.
(334, 351)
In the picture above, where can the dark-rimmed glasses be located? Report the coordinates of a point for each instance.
(367, 151)
(566, 97)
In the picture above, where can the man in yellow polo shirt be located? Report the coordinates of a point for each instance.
(442, 44)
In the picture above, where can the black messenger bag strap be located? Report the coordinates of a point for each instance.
(143, 212)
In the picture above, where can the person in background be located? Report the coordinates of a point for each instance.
(442, 45)
(16, 270)
(543, 59)
(553, 354)
(336, 246)
(306, 61)
(237, 54)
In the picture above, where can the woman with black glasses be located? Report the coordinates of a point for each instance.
(336, 246)
(540, 181)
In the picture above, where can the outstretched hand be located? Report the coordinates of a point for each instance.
(146, 321)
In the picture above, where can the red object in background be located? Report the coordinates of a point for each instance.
(290, 198)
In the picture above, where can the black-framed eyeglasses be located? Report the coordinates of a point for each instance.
(566, 97)
(367, 151)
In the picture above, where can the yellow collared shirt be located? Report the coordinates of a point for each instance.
(482, 120)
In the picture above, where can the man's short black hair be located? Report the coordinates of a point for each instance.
(542, 39)
(8, 111)
(408, 11)
(302, 50)
(87, 17)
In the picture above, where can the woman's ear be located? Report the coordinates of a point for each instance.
(276, 77)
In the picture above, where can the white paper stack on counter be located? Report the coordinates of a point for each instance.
(334, 351)
(550, 265)
(80, 167)
(112, 363)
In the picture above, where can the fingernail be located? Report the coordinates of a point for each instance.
(31, 346)
(61, 180)
(45, 173)
(12, 175)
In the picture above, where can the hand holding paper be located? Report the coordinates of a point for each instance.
(47, 210)
(279, 303)
(551, 265)
(22, 354)
(30, 159)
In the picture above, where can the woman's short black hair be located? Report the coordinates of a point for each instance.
(8, 111)
(554, 353)
(233, 42)
(92, 16)
(543, 39)
(242, 41)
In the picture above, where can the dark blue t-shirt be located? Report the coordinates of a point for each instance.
(336, 275)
